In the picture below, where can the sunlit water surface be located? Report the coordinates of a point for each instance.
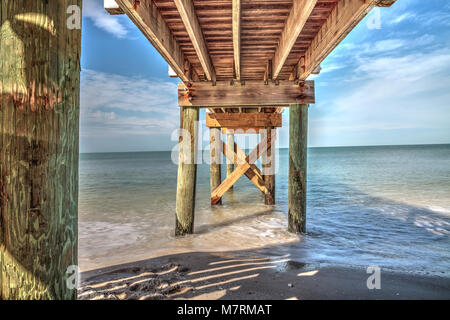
(386, 206)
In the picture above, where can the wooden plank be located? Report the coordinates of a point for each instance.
(253, 173)
(252, 93)
(268, 167)
(112, 7)
(230, 162)
(215, 146)
(344, 17)
(300, 12)
(243, 120)
(187, 174)
(187, 12)
(298, 130)
(239, 171)
(149, 20)
(236, 26)
(246, 130)
(39, 143)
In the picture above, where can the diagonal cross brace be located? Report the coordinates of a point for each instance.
(242, 168)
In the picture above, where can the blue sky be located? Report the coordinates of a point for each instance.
(387, 85)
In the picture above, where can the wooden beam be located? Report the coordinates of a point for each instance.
(215, 147)
(243, 120)
(344, 17)
(268, 166)
(246, 130)
(187, 13)
(239, 171)
(252, 93)
(187, 174)
(39, 157)
(230, 162)
(236, 21)
(298, 130)
(149, 20)
(300, 12)
(238, 157)
(112, 7)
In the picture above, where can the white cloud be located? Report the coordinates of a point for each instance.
(400, 18)
(115, 104)
(391, 93)
(93, 9)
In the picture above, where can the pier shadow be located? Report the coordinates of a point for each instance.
(246, 275)
(282, 271)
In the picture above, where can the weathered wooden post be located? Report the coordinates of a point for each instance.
(187, 173)
(216, 156)
(268, 167)
(230, 165)
(298, 129)
(40, 46)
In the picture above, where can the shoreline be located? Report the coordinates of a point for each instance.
(248, 275)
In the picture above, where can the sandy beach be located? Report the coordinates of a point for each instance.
(250, 276)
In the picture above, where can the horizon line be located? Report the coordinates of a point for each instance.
(339, 146)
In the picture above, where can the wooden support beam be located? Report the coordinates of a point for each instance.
(252, 93)
(187, 13)
(112, 7)
(241, 130)
(298, 130)
(243, 120)
(268, 167)
(300, 12)
(187, 173)
(236, 27)
(39, 150)
(239, 171)
(344, 17)
(230, 162)
(148, 19)
(239, 157)
(215, 145)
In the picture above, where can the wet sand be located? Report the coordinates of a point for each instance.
(249, 276)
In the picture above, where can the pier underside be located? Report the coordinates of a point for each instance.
(245, 61)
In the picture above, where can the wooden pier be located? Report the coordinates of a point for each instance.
(243, 60)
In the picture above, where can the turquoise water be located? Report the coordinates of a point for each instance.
(387, 206)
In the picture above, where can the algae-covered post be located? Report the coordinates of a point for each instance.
(268, 166)
(230, 164)
(216, 156)
(39, 111)
(187, 173)
(298, 130)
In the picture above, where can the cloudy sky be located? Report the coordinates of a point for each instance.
(386, 83)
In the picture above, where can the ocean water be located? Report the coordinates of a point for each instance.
(387, 206)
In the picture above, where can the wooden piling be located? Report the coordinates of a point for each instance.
(39, 116)
(187, 173)
(268, 168)
(216, 156)
(230, 165)
(298, 129)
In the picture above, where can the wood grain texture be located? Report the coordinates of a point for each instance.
(268, 166)
(344, 17)
(237, 38)
(252, 93)
(298, 129)
(39, 123)
(215, 147)
(188, 16)
(300, 13)
(230, 162)
(187, 173)
(151, 23)
(243, 120)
